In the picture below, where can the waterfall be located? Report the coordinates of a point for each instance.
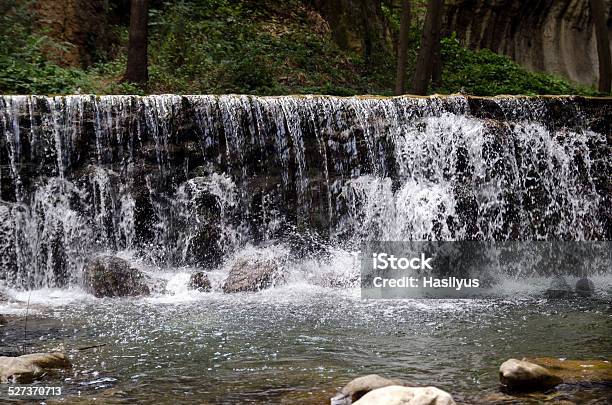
(185, 180)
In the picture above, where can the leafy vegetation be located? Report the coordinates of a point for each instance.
(486, 73)
(263, 47)
(224, 46)
(23, 67)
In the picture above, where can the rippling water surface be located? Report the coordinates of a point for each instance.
(298, 344)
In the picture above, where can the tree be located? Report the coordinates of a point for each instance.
(402, 48)
(436, 69)
(358, 25)
(137, 65)
(603, 45)
(431, 34)
(373, 34)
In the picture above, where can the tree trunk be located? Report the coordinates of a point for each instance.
(603, 45)
(436, 69)
(367, 34)
(424, 66)
(373, 33)
(336, 14)
(402, 48)
(137, 65)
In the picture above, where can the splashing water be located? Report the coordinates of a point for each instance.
(190, 180)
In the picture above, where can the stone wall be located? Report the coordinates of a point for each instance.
(554, 36)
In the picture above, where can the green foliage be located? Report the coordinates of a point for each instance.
(485, 73)
(23, 66)
(261, 47)
(245, 47)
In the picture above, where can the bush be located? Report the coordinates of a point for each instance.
(485, 73)
(23, 66)
(244, 47)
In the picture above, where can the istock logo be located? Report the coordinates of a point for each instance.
(383, 261)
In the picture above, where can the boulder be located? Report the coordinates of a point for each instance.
(585, 287)
(335, 280)
(559, 288)
(361, 386)
(522, 375)
(25, 369)
(199, 281)
(399, 395)
(252, 275)
(110, 276)
(3, 296)
(203, 206)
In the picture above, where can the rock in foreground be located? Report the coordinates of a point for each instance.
(585, 287)
(199, 281)
(25, 369)
(360, 386)
(398, 395)
(522, 375)
(559, 288)
(4, 295)
(250, 275)
(109, 276)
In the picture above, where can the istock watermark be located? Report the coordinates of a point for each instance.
(473, 269)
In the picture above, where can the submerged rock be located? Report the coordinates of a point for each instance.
(585, 287)
(25, 369)
(576, 371)
(360, 386)
(522, 375)
(199, 281)
(559, 288)
(110, 276)
(252, 275)
(399, 395)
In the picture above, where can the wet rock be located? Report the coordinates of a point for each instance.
(360, 386)
(156, 285)
(8, 258)
(398, 395)
(335, 280)
(252, 275)
(585, 287)
(199, 281)
(25, 369)
(576, 371)
(109, 276)
(2, 320)
(203, 205)
(559, 288)
(522, 375)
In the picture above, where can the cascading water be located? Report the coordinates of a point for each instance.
(185, 180)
